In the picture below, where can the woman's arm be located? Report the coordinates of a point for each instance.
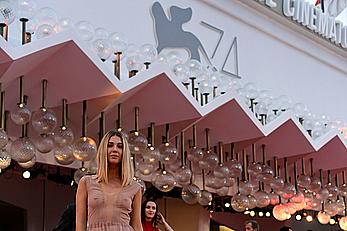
(136, 214)
(166, 225)
(81, 206)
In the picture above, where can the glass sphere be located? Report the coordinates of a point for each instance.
(64, 155)
(28, 164)
(298, 197)
(254, 169)
(195, 154)
(173, 167)
(229, 182)
(213, 182)
(165, 181)
(7, 12)
(183, 175)
(146, 168)
(267, 174)
(101, 33)
(142, 184)
(63, 136)
(21, 115)
(173, 58)
(102, 47)
(291, 208)
(221, 171)
(47, 16)
(148, 52)
(205, 86)
(44, 121)
(3, 138)
(209, 161)
(85, 30)
(331, 208)
(168, 153)
(44, 143)
(64, 24)
(22, 150)
(280, 212)
(304, 181)
(92, 166)
(152, 156)
(252, 202)
(274, 198)
(323, 194)
(182, 72)
(5, 159)
(44, 30)
(300, 110)
(118, 41)
(277, 183)
(205, 197)
(288, 191)
(315, 185)
(333, 190)
(235, 168)
(262, 199)
(138, 143)
(84, 149)
(26, 8)
(134, 62)
(246, 188)
(79, 173)
(190, 194)
(194, 67)
(239, 202)
(343, 223)
(343, 190)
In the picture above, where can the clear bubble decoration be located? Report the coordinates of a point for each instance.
(134, 62)
(85, 30)
(330, 208)
(47, 16)
(3, 138)
(148, 52)
(274, 198)
(44, 143)
(252, 202)
(239, 202)
(262, 198)
(26, 8)
(64, 155)
(79, 173)
(223, 191)
(183, 175)
(267, 174)
(44, 30)
(205, 86)
(221, 171)
(64, 24)
(142, 184)
(146, 168)
(304, 181)
(333, 190)
(118, 41)
(102, 47)
(84, 149)
(152, 156)
(174, 57)
(254, 169)
(323, 194)
(92, 166)
(182, 72)
(246, 188)
(63, 136)
(343, 190)
(213, 182)
(205, 198)
(288, 191)
(235, 168)
(161, 59)
(190, 194)
(101, 33)
(5, 159)
(175, 166)
(168, 153)
(280, 212)
(165, 181)
(7, 12)
(209, 161)
(277, 183)
(21, 114)
(343, 223)
(138, 143)
(195, 68)
(28, 164)
(44, 121)
(22, 149)
(195, 154)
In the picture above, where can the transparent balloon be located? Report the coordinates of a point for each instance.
(26, 8)
(182, 72)
(165, 181)
(168, 153)
(239, 203)
(134, 62)
(213, 182)
(44, 30)
(194, 67)
(304, 181)
(205, 198)
(173, 58)
(5, 159)
(79, 173)
(102, 47)
(138, 143)
(44, 121)
(247, 188)
(343, 223)
(152, 156)
(3, 138)
(101, 33)
(149, 53)
(262, 199)
(64, 155)
(44, 143)
(190, 194)
(254, 169)
(28, 164)
(183, 175)
(84, 149)
(85, 30)
(221, 171)
(118, 41)
(205, 87)
(235, 168)
(209, 161)
(195, 154)
(146, 168)
(64, 24)
(21, 114)
(63, 136)
(22, 150)
(47, 16)
(280, 212)
(7, 12)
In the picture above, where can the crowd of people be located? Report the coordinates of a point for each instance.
(252, 225)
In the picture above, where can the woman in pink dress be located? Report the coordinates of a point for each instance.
(111, 200)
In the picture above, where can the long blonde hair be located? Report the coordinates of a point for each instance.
(126, 171)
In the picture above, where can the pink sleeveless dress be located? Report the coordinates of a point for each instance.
(109, 211)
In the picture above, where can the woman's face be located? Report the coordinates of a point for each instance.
(114, 150)
(150, 209)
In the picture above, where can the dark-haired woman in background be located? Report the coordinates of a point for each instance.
(151, 217)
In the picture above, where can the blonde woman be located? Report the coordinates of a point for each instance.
(111, 200)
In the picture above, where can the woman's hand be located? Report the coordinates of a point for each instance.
(161, 220)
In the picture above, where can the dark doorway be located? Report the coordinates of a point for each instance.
(12, 218)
